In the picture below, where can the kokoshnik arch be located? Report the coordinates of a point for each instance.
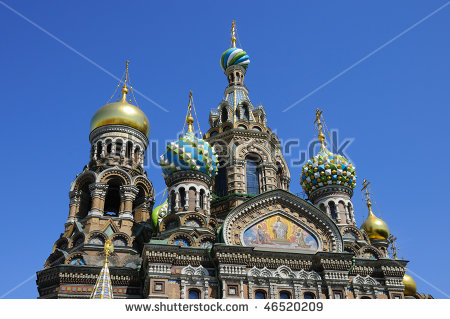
(229, 227)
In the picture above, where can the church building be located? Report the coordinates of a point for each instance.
(230, 227)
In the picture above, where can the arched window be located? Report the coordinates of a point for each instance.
(202, 199)
(251, 168)
(220, 182)
(129, 149)
(245, 112)
(241, 126)
(309, 295)
(99, 149)
(182, 196)
(194, 294)
(285, 295)
(112, 198)
(118, 147)
(224, 115)
(260, 294)
(257, 128)
(108, 147)
(136, 154)
(280, 175)
(332, 210)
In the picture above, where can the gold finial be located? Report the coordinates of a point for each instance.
(189, 118)
(108, 249)
(320, 127)
(365, 188)
(125, 88)
(233, 34)
(393, 245)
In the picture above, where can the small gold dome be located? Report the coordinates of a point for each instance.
(121, 113)
(375, 227)
(410, 285)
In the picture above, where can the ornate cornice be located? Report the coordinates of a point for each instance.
(120, 129)
(181, 176)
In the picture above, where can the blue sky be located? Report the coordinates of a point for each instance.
(394, 105)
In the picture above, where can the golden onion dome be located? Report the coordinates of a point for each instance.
(410, 286)
(375, 227)
(121, 113)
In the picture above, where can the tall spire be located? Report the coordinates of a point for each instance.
(125, 88)
(103, 286)
(318, 122)
(365, 189)
(189, 118)
(233, 34)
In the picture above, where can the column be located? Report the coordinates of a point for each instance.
(127, 196)
(197, 200)
(74, 206)
(98, 194)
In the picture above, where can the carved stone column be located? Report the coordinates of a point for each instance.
(127, 196)
(75, 200)
(98, 194)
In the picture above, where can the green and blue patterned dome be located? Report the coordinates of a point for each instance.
(234, 56)
(325, 169)
(189, 153)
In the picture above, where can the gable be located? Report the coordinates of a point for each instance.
(279, 220)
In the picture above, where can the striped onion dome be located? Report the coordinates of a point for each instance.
(325, 169)
(234, 56)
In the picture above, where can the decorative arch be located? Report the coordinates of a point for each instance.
(181, 239)
(116, 173)
(86, 177)
(171, 221)
(199, 219)
(90, 238)
(349, 231)
(62, 244)
(77, 240)
(369, 252)
(282, 203)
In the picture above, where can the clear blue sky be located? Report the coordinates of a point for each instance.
(395, 104)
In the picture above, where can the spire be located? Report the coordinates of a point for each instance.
(125, 88)
(365, 188)
(233, 34)
(318, 122)
(103, 287)
(189, 118)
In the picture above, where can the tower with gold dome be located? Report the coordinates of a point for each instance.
(227, 227)
(110, 201)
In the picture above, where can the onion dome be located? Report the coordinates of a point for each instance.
(374, 227)
(159, 213)
(326, 168)
(410, 286)
(121, 113)
(234, 56)
(189, 153)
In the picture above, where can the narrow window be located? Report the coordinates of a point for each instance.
(182, 196)
(202, 199)
(129, 149)
(118, 148)
(224, 116)
(332, 210)
(108, 148)
(220, 183)
(252, 177)
(99, 149)
(136, 154)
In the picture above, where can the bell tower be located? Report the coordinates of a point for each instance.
(249, 154)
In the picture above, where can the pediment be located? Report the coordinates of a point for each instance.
(279, 220)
